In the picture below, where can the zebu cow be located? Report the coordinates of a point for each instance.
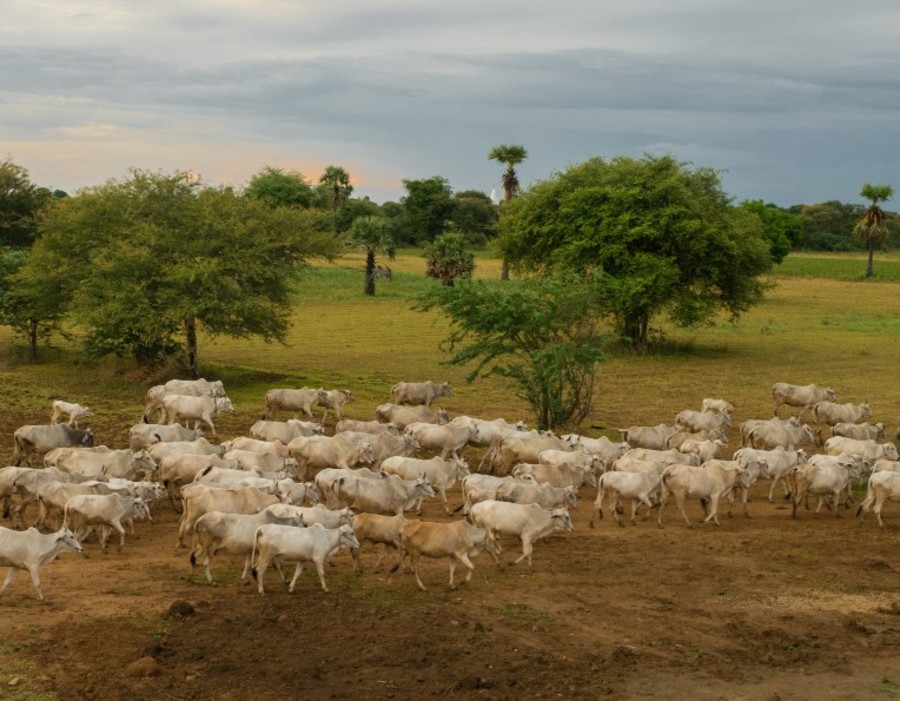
(488, 431)
(670, 456)
(197, 388)
(376, 528)
(457, 541)
(297, 493)
(640, 487)
(30, 549)
(883, 485)
(860, 432)
(321, 451)
(294, 400)
(705, 450)
(53, 497)
(40, 439)
(109, 511)
(384, 445)
(775, 463)
(867, 449)
(333, 400)
(60, 409)
(285, 431)
(216, 532)
(290, 544)
(653, 437)
(819, 480)
(799, 395)
(702, 420)
(544, 495)
(401, 416)
(142, 436)
(605, 450)
(831, 413)
(357, 426)
(519, 448)
(103, 461)
(420, 392)
(750, 424)
(711, 481)
(265, 462)
(721, 405)
(440, 473)
(449, 438)
(180, 469)
(201, 446)
(318, 513)
(677, 440)
(557, 475)
(767, 436)
(528, 522)
(196, 409)
(390, 495)
(258, 446)
(200, 499)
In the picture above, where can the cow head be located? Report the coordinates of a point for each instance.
(561, 520)
(348, 538)
(66, 540)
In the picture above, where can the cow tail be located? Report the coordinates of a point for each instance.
(253, 553)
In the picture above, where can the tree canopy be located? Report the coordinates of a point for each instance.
(143, 263)
(447, 258)
(872, 228)
(20, 200)
(278, 188)
(371, 234)
(653, 236)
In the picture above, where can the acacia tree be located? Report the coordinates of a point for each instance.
(511, 156)
(372, 235)
(653, 236)
(540, 334)
(150, 261)
(278, 188)
(871, 228)
(447, 259)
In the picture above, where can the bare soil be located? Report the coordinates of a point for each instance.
(760, 608)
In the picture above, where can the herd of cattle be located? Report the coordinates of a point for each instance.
(288, 493)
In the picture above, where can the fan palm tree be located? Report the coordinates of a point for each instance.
(511, 155)
(871, 228)
(336, 183)
(371, 234)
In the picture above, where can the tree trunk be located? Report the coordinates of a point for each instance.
(635, 329)
(190, 328)
(369, 285)
(869, 271)
(504, 271)
(33, 338)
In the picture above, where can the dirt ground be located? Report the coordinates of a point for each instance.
(760, 608)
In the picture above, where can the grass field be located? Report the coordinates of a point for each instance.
(821, 329)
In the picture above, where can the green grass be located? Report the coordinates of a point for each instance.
(844, 266)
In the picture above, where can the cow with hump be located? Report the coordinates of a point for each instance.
(420, 392)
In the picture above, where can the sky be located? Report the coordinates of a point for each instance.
(795, 101)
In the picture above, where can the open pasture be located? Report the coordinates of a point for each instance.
(760, 608)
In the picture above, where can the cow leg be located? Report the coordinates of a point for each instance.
(464, 558)
(713, 509)
(526, 550)
(452, 570)
(36, 580)
(9, 578)
(495, 550)
(259, 573)
(679, 501)
(298, 570)
(245, 575)
(414, 561)
(878, 504)
(662, 502)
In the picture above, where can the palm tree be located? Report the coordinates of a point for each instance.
(371, 234)
(336, 183)
(871, 228)
(511, 156)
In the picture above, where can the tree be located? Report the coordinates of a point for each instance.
(474, 216)
(32, 305)
(781, 228)
(336, 187)
(278, 188)
(511, 156)
(827, 226)
(20, 200)
(538, 333)
(871, 228)
(653, 236)
(447, 259)
(372, 235)
(427, 208)
(150, 261)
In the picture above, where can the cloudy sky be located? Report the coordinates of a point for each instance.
(796, 100)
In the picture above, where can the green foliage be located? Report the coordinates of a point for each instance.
(145, 260)
(281, 189)
(653, 237)
(335, 189)
(511, 155)
(20, 200)
(872, 227)
(373, 236)
(448, 258)
(474, 216)
(426, 210)
(827, 226)
(832, 267)
(540, 334)
(781, 228)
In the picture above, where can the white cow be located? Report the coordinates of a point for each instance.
(488, 431)
(37, 439)
(53, 497)
(721, 405)
(216, 532)
(750, 424)
(73, 411)
(861, 431)
(101, 460)
(458, 541)
(109, 511)
(528, 522)
(357, 426)
(605, 450)
(520, 447)
(201, 446)
(285, 431)
(768, 436)
(390, 495)
(441, 474)
(640, 487)
(711, 481)
(702, 420)
(799, 395)
(297, 493)
(319, 452)
(868, 450)
(819, 480)
(384, 445)
(653, 437)
(265, 462)
(883, 485)
(333, 400)
(196, 409)
(775, 464)
(28, 550)
(196, 388)
(401, 416)
(448, 438)
(670, 456)
(831, 413)
(141, 436)
(557, 475)
(704, 450)
(420, 392)
(200, 499)
(542, 494)
(294, 400)
(319, 513)
(289, 544)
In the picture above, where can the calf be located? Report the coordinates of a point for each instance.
(28, 550)
(289, 544)
(457, 541)
(73, 411)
